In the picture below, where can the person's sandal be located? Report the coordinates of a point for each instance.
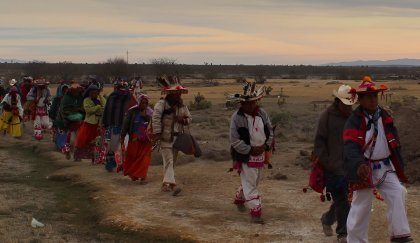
(406, 239)
(257, 220)
(166, 188)
(176, 191)
(328, 231)
(241, 208)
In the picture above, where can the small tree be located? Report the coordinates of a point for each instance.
(35, 68)
(200, 102)
(210, 77)
(240, 80)
(260, 76)
(115, 67)
(65, 70)
(268, 90)
(164, 65)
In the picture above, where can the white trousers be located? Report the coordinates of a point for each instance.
(248, 191)
(169, 156)
(42, 122)
(394, 196)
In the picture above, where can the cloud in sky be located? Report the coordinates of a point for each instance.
(197, 31)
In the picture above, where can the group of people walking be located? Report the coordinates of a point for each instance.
(119, 130)
(359, 149)
(360, 153)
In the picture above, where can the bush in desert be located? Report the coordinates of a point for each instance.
(260, 77)
(210, 77)
(268, 90)
(200, 103)
(164, 66)
(114, 68)
(240, 80)
(280, 118)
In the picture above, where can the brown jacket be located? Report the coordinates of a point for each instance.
(329, 143)
(164, 120)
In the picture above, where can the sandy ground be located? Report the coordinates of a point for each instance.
(204, 211)
(19, 202)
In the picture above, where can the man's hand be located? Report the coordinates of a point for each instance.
(182, 120)
(255, 151)
(156, 137)
(363, 171)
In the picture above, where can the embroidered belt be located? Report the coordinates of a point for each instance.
(377, 163)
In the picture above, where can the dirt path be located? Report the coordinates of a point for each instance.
(203, 212)
(81, 202)
(28, 189)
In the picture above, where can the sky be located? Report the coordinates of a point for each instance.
(212, 31)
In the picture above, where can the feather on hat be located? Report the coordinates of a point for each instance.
(171, 84)
(250, 93)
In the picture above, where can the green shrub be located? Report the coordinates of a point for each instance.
(268, 90)
(200, 103)
(280, 118)
(240, 80)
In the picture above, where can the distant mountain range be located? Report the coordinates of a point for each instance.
(396, 62)
(373, 63)
(3, 60)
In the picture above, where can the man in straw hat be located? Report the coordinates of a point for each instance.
(170, 117)
(40, 96)
(328, 148)
(374, 166)
(251, 135)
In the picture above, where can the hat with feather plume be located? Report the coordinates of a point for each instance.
(171, 84)
(250, 92)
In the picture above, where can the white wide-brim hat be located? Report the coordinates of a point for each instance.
(343, 93)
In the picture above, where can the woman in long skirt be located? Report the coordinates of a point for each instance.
(93, 105)
(11, 118)
(139, 149)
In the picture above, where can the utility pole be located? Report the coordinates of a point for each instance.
(127, 56)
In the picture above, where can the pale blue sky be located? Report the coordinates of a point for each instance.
(198, 31)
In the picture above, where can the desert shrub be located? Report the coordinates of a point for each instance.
(280, 118)
(409, 100)
(240, 80)
(268, 90)
(200, 103)
(260, 79)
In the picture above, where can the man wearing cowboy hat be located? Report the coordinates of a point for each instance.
(12, 83)
(328, 148)
(170, 117)
(251, 135)
(374, 166)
